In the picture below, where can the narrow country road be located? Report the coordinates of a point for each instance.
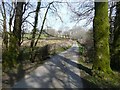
(61, 71)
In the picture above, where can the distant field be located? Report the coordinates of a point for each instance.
(45, 42)
(36, 36)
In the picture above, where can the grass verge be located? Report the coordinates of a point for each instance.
(111, 81)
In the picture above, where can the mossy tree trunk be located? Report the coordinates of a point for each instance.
(115, 62)
(101, 61)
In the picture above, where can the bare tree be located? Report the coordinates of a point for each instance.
(84, 10)
(35, 24)
(5, 35)
(32, 55)
(18, 23)
(34, 30)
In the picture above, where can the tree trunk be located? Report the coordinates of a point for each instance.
(5, 35)
(18, 23)
(11, 16)
(35, 24)
(15, 37)
(41, 30)
(115, 62)
(101, 61)
(11, 57)
(34, 31)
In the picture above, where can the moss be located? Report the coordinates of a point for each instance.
(101, 61)
(110, 81)
(81, 49)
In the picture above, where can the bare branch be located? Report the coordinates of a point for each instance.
(25, 7)
(1, 11)
(48, 33)
(28, 15)
(54, 10)
(1, 20)
(84, 11)
(29, 23)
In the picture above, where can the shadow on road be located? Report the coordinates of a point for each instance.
(80, 66)
(73, 75)
(58, 72)
(51, 75)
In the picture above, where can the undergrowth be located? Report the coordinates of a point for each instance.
(109, 81)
